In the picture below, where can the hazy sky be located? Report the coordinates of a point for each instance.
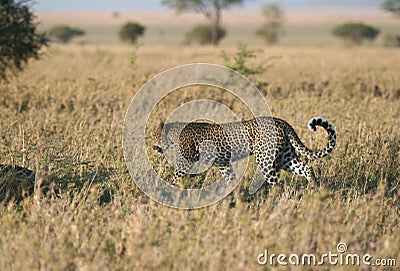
(117, 5)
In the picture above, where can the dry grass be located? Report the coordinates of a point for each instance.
(63, 119)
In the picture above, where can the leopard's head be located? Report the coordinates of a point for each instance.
(157, 135)
(166, 135)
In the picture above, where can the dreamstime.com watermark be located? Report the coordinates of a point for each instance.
(339, 257)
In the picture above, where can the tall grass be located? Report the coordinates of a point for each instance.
(63, 119)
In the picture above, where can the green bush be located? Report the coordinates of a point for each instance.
(19, 39)
(131, 31)
(391, 41)
(202, 35)
(239, 62)
(355, 32)
(64, 33)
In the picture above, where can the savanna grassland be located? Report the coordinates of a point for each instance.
(80, 210)
(63, 119)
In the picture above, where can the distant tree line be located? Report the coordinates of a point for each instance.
(20, 39)
(213, 32)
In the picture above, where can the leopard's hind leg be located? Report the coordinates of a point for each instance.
(291, 163)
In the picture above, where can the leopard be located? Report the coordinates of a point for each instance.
(272, 141)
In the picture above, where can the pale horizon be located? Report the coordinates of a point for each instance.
(121, 5)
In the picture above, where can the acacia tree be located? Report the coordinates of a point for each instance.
(19, 38)
(131, 31)
(64, 33)
(273, 15)
(211, 9)
(392, 6)
(355, 32)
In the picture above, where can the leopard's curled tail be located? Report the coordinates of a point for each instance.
(314, 154)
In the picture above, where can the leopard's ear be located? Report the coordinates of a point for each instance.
(158, 130)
